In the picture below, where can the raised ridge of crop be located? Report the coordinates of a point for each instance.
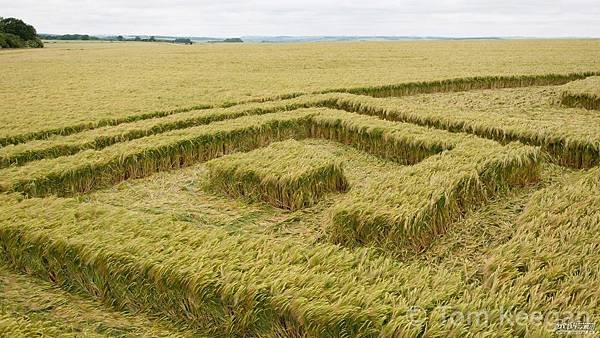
(91, 169)
(287, 174)
(410, 207)
(253, 284)
(406, 211)
(402, 89)
(95, 168)
(234, 284)
(465, 84)
(573, 142)
(68, 130)
(584, 93)
(100, 138)
(369, 262)
(77, 128)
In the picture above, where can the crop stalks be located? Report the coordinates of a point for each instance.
(584, 93)
(125, 284)
(100, 139)
(468, 169)
(150, 160)
(13, 326)
(287, 175)
(402, 89)
(206, 278)
(549, 249)
(586, 101)
(381, 139)
(91, 169)
(43, 134)
(465, 84)
(576, 154)
(390, 224)
(74, 129)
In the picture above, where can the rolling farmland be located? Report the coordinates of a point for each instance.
(391, 189)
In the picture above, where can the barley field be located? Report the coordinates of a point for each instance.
(364, 189)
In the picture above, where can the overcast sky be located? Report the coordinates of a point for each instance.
(226, 18)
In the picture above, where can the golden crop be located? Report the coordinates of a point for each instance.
(70, 84)
(584, 93)
(299, 190)
(287, 174)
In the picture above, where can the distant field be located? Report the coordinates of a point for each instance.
(391, 189)
(72, 83)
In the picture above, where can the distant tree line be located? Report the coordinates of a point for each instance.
(14, 33)
(186, 41)
(86, 37)
(183, 40)
(83, 37)
(228, 40)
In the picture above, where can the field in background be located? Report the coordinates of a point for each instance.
(438, 189)
(71, 83)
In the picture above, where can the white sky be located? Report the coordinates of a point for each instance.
(224, 18)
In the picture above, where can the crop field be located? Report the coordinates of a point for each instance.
(583, 93)
(381, 189)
